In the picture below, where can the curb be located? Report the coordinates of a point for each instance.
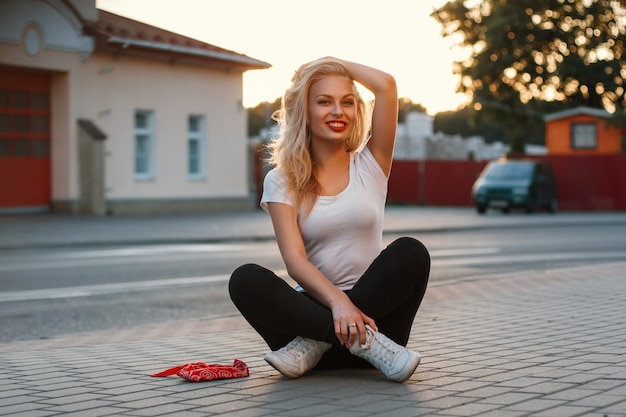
(266, 238)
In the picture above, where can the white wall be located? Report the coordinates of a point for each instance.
(122, 85)
(108, 89)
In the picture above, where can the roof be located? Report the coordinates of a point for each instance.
(120, 35)
(577, 111)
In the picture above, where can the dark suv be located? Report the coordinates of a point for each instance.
(528, 185)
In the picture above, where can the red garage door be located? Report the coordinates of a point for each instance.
(24, 140)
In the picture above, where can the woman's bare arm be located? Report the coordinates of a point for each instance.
(311, 279)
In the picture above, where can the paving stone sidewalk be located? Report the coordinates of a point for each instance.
(551, 344)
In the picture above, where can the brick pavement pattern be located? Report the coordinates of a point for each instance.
(539, 344)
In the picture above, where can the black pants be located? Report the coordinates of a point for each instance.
(390, 292)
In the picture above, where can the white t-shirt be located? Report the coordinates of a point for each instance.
(343, 233)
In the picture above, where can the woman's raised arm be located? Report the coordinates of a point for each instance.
(385, 114)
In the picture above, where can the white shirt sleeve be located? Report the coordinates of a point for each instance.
(274, 189)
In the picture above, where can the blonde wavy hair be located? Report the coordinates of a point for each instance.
(291, 151)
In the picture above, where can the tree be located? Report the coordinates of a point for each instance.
(461, 122)
(529, 58)
(406, 106)
(260, 116)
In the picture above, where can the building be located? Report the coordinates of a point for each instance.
(104, 114)
(416, 140)
(582, 131)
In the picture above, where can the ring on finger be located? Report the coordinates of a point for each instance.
(352, 325)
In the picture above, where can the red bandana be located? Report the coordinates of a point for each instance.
(200, 371)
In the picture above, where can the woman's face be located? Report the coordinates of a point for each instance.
(332, 109)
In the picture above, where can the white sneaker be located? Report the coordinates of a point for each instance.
(396, 362)
(298, 357)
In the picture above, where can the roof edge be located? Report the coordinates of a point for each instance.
(582, 110)
(116, 33)
(188, 50)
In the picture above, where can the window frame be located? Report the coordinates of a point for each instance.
(581, 140)
(147, 132)
(199, 137)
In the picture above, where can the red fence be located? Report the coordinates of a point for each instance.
(590, 182)
(586, 183)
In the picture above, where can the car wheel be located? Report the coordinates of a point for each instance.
(531, 205)
(553, 207)
(506, 210)
(481, 209)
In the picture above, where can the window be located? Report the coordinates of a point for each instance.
(144, 144)
(196, 166)
(584, 136)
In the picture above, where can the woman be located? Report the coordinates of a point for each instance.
(354, 303)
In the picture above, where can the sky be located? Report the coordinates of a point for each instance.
(396, 36)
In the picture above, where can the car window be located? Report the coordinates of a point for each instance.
(510, 171)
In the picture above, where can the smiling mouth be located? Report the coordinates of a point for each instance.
(337, 125)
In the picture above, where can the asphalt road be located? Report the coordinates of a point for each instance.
(50, 292)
